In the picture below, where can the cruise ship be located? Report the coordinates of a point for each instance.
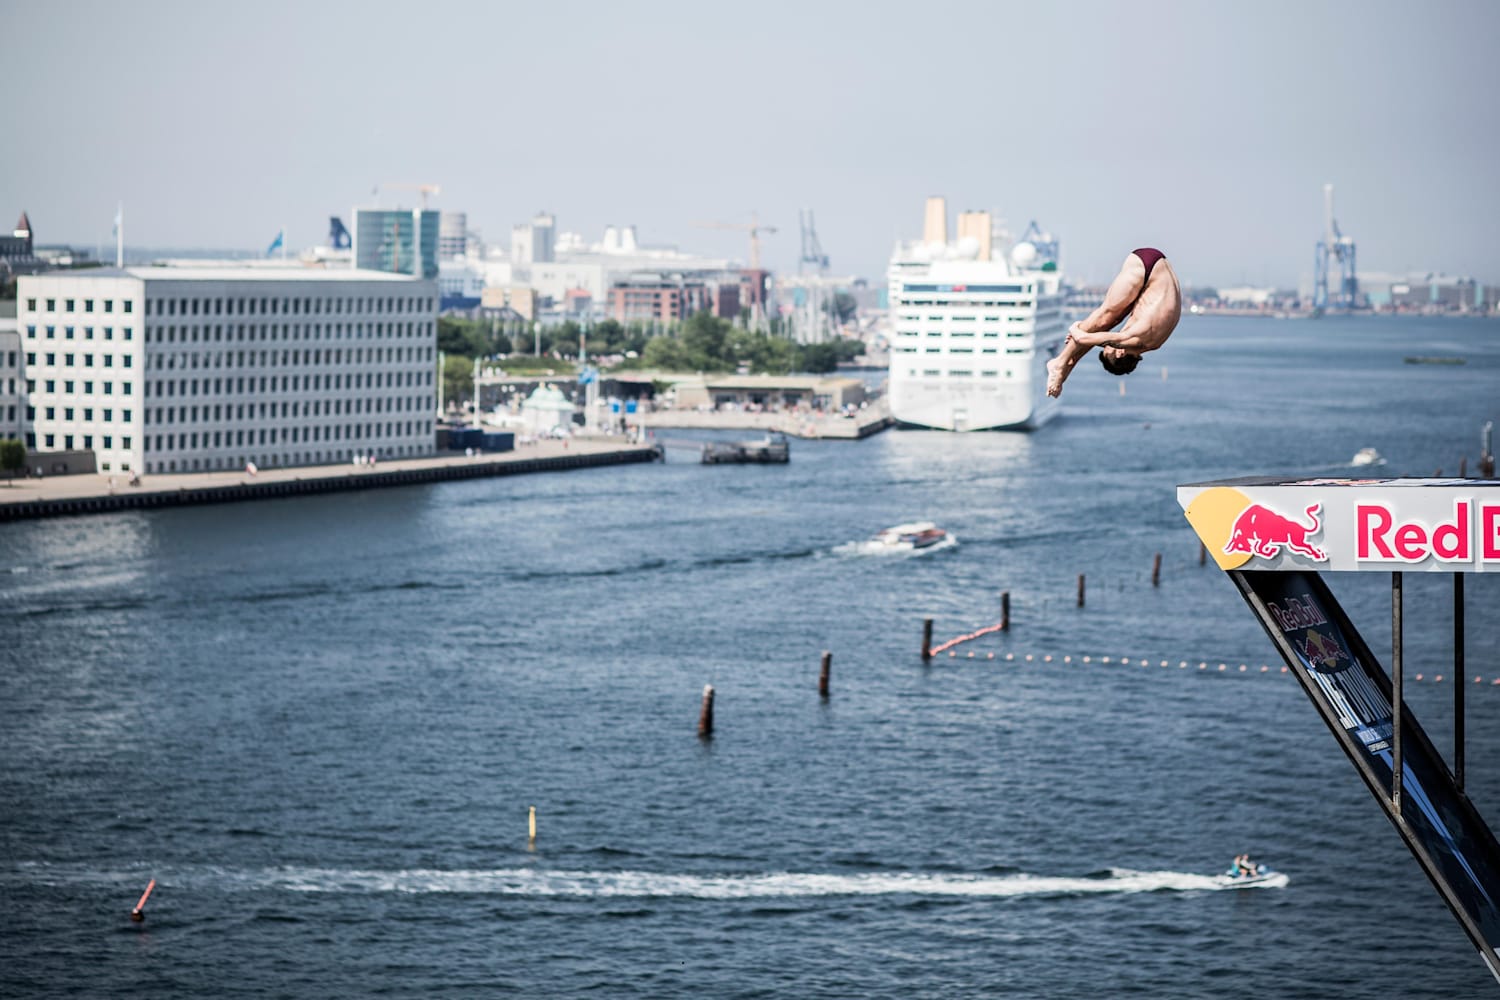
(974, 323)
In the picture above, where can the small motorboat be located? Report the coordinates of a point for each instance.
(1260, 875)
(910, 537)
(1367, 456)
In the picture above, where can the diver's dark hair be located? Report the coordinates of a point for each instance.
(1122, 364)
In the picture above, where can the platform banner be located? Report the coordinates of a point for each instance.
(1410, 525)
(1353, 694)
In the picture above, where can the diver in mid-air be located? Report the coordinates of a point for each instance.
(1147, 292)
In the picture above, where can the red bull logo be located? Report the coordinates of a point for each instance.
(1324, 652)
(1261, 531)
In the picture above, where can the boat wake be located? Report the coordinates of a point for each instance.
(562, 883)
(874, 547)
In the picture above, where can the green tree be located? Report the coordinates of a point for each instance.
(666, 354)
(608, 337)
(458, 379)
(818, 358)
(704, 338)
(842, 307)
(466, 337)
(12, 456)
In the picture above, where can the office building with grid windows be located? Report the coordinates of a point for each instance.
(197, 369)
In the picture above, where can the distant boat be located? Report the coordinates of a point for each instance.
(910, 537)
(1367, 456)
(772, 449)
(1417, 359)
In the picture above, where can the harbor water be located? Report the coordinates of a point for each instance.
(320, 723)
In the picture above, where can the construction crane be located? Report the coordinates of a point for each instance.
(1337, 246)
(754, 228)
(425, 189)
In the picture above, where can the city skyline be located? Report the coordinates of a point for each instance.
(1208, 132)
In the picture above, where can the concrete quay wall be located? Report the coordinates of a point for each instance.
(63, 496)
(871, 420)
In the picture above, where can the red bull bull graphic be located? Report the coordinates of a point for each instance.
(1264, 532)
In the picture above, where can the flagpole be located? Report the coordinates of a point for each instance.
(283, 242)
(120, 235)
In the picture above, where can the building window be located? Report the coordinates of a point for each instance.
(52, 305)
(50, 440)
(31, 305)
(109, 305)
(129, 305)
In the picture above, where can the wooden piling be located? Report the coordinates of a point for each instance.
(926, 638)
(823, 674)
(1080, 590)
(1156, 571)
(1202, 553)
(1005, 611)
(706, 716)
(531, 827)
(1463, 467)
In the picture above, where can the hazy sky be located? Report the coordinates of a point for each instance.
(1206, 128)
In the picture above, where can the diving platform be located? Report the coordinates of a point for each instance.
(1275, 538)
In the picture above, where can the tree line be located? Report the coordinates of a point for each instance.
(703, 342)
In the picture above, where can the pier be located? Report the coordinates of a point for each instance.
(61, 496)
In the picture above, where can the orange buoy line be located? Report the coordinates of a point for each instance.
(997, 627)
(1204, 665)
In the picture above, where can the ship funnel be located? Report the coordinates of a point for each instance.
(935, 228)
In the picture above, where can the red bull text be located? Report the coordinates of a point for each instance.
(1381, 537)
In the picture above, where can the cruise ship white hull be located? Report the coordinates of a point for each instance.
(977, 404)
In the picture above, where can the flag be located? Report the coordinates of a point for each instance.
(276, 243)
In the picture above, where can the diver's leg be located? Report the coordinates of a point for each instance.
(1118, 298)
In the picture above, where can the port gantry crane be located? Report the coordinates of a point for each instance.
(1339, 247)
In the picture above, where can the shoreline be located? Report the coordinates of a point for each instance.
(98, 493)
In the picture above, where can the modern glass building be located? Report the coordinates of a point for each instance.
(397, 240)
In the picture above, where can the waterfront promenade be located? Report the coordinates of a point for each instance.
(861, 424)
(100, 493)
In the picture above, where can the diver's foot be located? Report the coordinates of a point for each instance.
(1056, 373)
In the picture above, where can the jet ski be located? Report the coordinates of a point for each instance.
(1239, 878)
